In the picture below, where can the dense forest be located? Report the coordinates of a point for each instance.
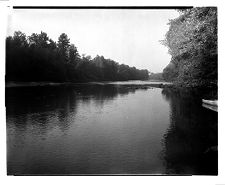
(38, 58)
(192, 43)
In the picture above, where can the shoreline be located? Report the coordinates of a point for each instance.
(157, 84)
(135, 84)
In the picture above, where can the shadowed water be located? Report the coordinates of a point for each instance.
(108, 129)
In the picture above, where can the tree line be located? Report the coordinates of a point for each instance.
(39, 58)
(156, 76)
(192, 43)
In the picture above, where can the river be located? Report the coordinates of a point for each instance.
(108, 128)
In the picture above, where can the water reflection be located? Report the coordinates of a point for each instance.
(191, 135)
(49, 106)
(109, 129)
(47, 135)
(48, 99)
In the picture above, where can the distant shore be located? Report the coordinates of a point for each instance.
(158, 84)
(209, 91)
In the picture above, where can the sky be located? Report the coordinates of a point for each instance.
(126, 36)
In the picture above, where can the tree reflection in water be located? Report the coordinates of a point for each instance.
(41, 104)
(40, 121)
(192, 135)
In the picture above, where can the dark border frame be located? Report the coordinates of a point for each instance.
(102, 7)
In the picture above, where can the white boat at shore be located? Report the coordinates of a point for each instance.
(210, 104)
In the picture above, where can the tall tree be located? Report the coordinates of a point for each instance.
(39, 40)
(19, 39)
(73, 54)
(63, 46)
(52, 44)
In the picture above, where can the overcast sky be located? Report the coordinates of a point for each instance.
(126, 36)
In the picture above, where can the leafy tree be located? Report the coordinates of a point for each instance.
(73, 54)
(63, 46)
(52, 44)
(192, 42)
(19, 39)
(33, 39)
(41, 41)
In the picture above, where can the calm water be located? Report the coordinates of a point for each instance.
(108, 129)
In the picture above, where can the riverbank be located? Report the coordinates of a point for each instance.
(207, 92)
(137, 83)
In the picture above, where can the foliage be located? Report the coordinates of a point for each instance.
(156, 76)
(39, 58)
(192, 43)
